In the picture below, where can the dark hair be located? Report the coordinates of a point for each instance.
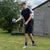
(23, 3)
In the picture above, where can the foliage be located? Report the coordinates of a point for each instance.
(8, 10)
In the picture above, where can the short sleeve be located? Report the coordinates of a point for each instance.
(21, 13)
(29, 11)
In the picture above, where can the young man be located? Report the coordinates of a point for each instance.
(27, 14)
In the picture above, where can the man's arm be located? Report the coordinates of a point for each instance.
(28, 19)
(19, 18)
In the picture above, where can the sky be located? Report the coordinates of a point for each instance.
(34, 3)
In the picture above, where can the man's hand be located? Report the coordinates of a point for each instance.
(26, 23)
(18, 19)
(15, 21)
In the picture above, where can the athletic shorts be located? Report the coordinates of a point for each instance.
(29, 27)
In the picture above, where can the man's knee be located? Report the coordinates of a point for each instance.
(26, 34)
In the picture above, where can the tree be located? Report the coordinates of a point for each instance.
(8, 10)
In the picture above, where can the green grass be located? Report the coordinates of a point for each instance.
(9, 42)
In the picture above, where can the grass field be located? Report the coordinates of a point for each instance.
(9, 42)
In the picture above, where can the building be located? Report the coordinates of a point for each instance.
(42, 19)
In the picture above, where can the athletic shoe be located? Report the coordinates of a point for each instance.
(25, 47)
(34, 44)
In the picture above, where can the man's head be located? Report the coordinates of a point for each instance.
(23, 4)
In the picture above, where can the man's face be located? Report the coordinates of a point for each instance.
(23, 6)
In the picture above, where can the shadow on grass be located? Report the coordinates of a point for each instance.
(13, 34)
(17, 34)
(4, 32)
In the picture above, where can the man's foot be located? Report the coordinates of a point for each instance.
(25, 47)
(34, 44)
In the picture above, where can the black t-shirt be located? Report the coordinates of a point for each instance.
(26, 13)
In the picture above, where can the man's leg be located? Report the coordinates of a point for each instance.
(31, 37)
(26, 34)
(26, 38)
